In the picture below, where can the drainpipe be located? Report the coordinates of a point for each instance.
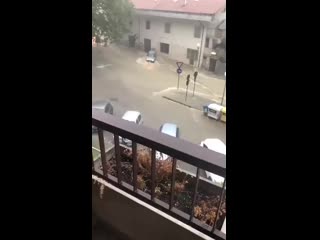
(139, 32)
(201, 45)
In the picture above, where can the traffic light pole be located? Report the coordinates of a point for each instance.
(186, 93)
(187, 83)
(194, 81)
(224, 90)
(194, 84)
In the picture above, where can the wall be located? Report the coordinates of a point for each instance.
(136, 221)
(220, 68)
(180, 38)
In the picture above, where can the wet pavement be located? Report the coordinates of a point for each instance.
(120, 75)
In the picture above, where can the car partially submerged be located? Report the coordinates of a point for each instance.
(151, 56)
(170, 129)
(131, 116)
(102, 105)
(216, 145)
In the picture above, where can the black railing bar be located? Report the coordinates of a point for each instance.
(92, 160)
(102, 152)
(118, 157)
(153, 173)
(173, 179)
(195, 194)
(220, 203)
(180, 149)
(135, 166)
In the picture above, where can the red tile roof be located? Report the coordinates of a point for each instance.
(192, 6)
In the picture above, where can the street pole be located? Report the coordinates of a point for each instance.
(187, 83)
(178, 81)
(224, 90)
(186, 93)
(194, 84)
(195, 74)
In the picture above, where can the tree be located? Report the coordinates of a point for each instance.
(110, 18)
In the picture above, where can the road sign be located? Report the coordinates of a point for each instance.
(179, 71)
(179, 64)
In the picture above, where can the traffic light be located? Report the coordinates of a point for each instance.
(195, 76)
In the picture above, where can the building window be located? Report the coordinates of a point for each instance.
(197, 31)
(214, 43)
(192, 53)
(207, 42)
(164, 48)
(147, 24)
(167, 27)
(189, 53)
(218, 33)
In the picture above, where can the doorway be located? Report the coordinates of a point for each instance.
(147, 45)
(212, 65)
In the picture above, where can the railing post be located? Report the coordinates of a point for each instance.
(195, 194)
(173, 179)
(118, 157)
(92, 161)
(219, 206)
(135, 165)
(153, 173)
(102, 152)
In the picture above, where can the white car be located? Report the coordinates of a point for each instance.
(216, 145)
(171, 130)
(131, 116)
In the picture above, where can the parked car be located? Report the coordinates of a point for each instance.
(151, 56)
(171, 130)
(102, 105)
(213, 110)
(131, 116)
(216, 145)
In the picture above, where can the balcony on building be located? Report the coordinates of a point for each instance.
(136, 195)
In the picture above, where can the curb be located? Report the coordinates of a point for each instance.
(173, 100)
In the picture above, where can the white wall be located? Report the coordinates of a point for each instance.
(180, 38)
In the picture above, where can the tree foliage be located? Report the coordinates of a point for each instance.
(111, 18)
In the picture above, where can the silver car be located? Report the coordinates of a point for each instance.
(170, 129)
(102, 105)
(131, 116)
(151, 56)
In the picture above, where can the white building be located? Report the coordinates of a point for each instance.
(183, 30)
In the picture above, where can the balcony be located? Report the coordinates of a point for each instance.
(134, 194)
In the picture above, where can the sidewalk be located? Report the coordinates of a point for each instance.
(188, 68)
(196, 102)
(207, 80)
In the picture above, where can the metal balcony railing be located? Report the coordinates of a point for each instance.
(178, 149)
